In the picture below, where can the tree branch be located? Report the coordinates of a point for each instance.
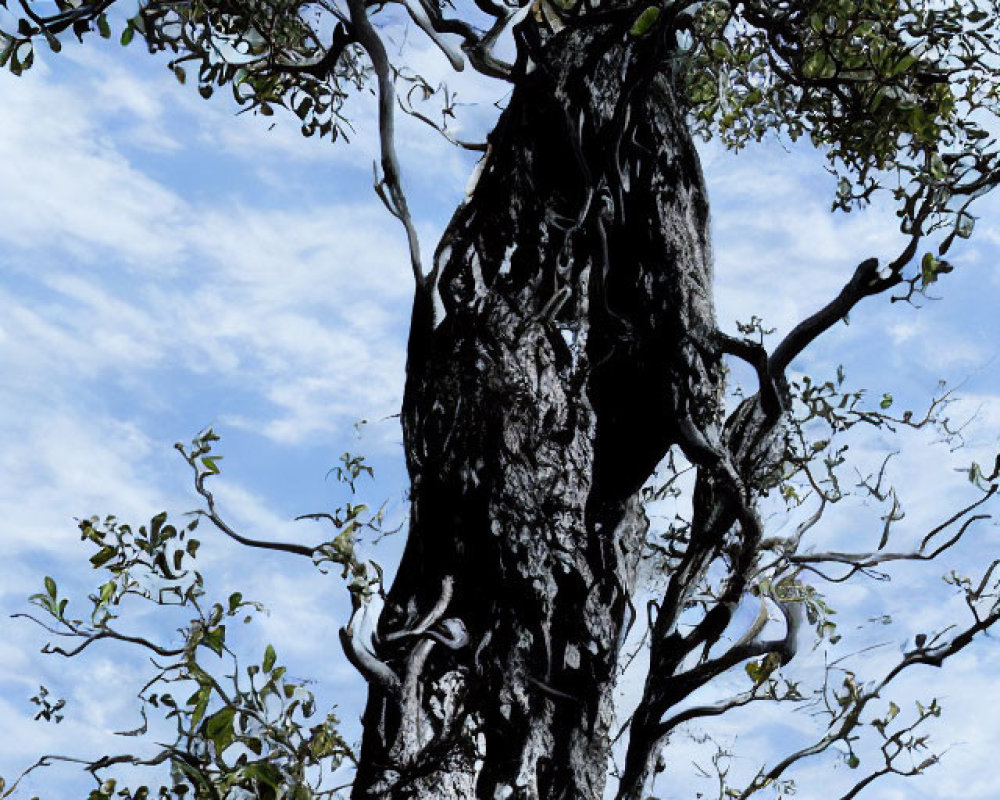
(862, 561)
(389, 188)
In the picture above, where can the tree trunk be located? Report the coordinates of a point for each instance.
(575, 342)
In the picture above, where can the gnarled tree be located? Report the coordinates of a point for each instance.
(563, 343)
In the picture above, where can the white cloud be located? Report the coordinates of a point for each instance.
(126, 299)
(67, 185)
(259, 296)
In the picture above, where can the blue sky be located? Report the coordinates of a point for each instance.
(166, 265)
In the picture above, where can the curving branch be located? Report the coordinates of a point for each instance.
(212, 515)
(407, 108)
(428, 17)
(322, 67)
(371, 668)
(755, 355)
(868, 280)
(859, 562)
(863, 283)
(108, 633)
(74, 632)
(746, 648)
(478, 47)
(406, 690)
(91, 766)
(389, 188)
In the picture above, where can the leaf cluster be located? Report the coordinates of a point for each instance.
(239, 730)
(273, 53)
(899, 95)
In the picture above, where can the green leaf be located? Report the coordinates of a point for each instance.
(200, 700)
(80, 27)
(269, 658)
(219, 728)
(156, 523)
(303, 108)
(965, 225)
(103, 556)
(102, 26)
(265, 772)
(645, 21)
(931, 268)
(50, 587)
(760, 671)
(127, 35)
(215, 639)
(886, 401)
(938, 168)
(194, 774)
(24, 56)
(819, 65)
(209, 461)
(903, 64)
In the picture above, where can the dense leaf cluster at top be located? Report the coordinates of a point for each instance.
(897, 94)
(265, 53)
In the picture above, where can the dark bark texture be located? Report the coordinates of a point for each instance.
(575, 347)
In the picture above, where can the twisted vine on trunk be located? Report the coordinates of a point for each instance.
(575, 346)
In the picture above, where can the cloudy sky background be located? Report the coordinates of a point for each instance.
(166, 265)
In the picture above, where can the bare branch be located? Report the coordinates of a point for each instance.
(862, 561)
(107, 633)
(210, 513)
(368, 665)
(390, 187)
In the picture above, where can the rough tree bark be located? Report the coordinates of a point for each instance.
(575, 347)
